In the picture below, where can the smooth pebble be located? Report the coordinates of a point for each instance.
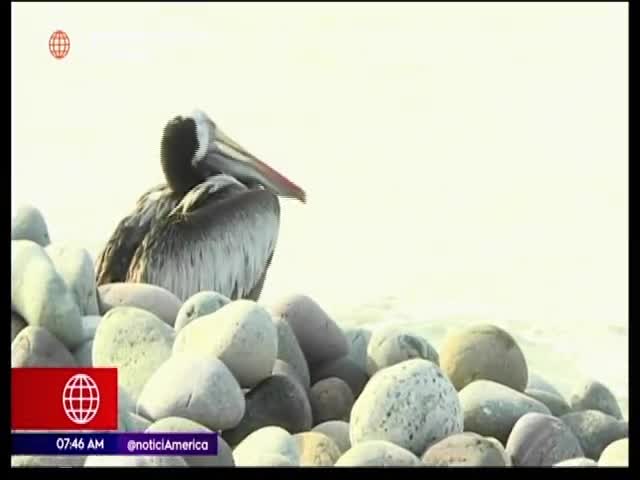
(283, 368)
(344, 368)
(483, 352)
(40, 461)
(593, 395)
(577, 462)
(320, 338)
(17, 324)
(389, 346)
(338, 431)
(276, 401)
(289, 351)
(270, 460)
(331, 399)
(616, 454)
(492, 409)
(224, 456)
(134, 461)
(377, 453)
(316, 449)
(28, 223)
(37, 347)
(358, 339)
(537, 382)
(269, 440)
(193, 386)
(557, 405)
(199, 305)
(466, 449)
(76, 268)
(136, 342)
(40, 295)
(539, 440)
(157, 300)
(89, 325)
(241, 334)
(83, 354)
(132, 422)
(595, 430)
(409, 404)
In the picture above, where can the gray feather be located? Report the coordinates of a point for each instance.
(114, 261)
(220, 237)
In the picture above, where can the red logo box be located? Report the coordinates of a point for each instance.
(64, 399)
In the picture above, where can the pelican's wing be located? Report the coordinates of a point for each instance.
(220, 237)
(114, 261)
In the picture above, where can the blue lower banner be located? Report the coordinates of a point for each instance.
(114, 443)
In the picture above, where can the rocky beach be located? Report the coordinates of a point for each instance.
(287, 385)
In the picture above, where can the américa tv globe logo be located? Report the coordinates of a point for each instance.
(81, 399)
(59, 44)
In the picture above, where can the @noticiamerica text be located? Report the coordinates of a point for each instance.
(166, 445)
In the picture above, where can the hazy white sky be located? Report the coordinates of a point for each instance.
(466, 154)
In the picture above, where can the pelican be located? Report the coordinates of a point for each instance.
(214, 224)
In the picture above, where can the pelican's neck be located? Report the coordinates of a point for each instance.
(180, 175)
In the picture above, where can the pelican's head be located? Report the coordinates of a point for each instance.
(194, 148)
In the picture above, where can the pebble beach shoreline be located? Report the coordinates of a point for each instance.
(286, 385)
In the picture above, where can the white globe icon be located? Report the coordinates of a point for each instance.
(81, 398)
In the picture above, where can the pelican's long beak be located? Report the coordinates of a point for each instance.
(230, 158)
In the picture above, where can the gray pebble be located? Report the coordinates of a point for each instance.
(40, 295)
(283, 368)
(389, 346)
(241, 334)
(17, 324)
(539, 440)
(491, 409)
(28, 223)
(344, 368)
(199, 305)
(537, 382)
(126, 406)
(577, 462)
(224, 456)
(595, 430)
(135, 341)
(289, 351)
(409, 404)
(83, 354)
(557, 405)
(134, 461)
(269, 440)
(269, 460)
(331, 399)
(76, 268)
(89, 325)
(593, 395)
(194, 386)
(36, 347)
(276, 401)
(132, 422)
(377, 453)
(338, 431)
(316, 449)
(157, 300)
(47, 461)
(320, 338)
(358, 339)
(483, 352)
(466, 449)
(616, 454)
